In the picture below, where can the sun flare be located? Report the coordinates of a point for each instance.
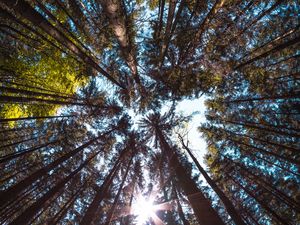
(144, 209)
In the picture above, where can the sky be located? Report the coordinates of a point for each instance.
(186, 107)
(196, 142)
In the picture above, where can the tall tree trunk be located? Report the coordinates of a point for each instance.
(59, 215)
(33, 93)
(262, 203)
(29, 13)
(31, 211)
(262, 128)
(93, 208)
(279, 97)
(227, 203)
(9, 194)
(203, 210)
(277, 3)
(23, 99)
(288, 159)
(167, 35)
(262, 140)
(18, 154)
(117, 15)
(112, 210)
(5, 120)
(275, 49)
(179, 207)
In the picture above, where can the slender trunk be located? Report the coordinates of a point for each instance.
(191, 45)
(25, 10)
(18, 154)
(262, 203)
(263, 128)
(268, 187)
(278, 97)
(94, 206)
(112, 210)
(293, 161)
(33, 93)
(227, 203)
(31, 211)
(58, 24)
(34, 85)
(277, 3)
(34, 100)
(18, 21)
(179, 207)
(271, 42)
(128, 210)
(203, 210)
(275, 49)
(9, 194)
(167, 35)
(19, 142)
(160, 17)
(59, 215)
(33, 118)
(262, 141)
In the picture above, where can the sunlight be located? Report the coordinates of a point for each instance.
(144, 209)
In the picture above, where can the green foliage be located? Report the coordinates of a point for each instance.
(51, 70)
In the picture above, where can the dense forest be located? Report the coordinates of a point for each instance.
(89, 131)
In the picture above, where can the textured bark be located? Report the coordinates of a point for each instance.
(117, 19)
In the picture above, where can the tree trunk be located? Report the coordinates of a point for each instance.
(112, 210)
(9, 194)
(31, 211)
(262, 128)
(167, 35)
(235, 216)
(11, 156)
(33, 93)
(275, 49)
(117, 18)
(203, 210)
(262, 203)
(5, 120)
(93, 208)
(26, 11)
(179, 207)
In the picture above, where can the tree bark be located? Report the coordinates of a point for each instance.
(112, 210)
(205, 214)
(235, 216)
(93, 208)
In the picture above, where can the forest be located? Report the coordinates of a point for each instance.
(90, 128)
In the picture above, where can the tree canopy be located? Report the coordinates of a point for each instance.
(89, 127)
